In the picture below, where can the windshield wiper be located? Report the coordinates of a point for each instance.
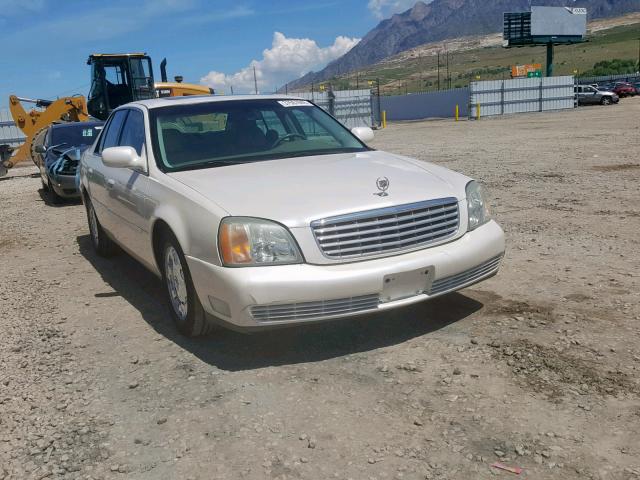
(264, 157)
(211, 163)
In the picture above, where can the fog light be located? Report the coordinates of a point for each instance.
(220, 306)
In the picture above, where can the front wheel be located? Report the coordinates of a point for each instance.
(54, 198)
(184, 304)
(605, 101)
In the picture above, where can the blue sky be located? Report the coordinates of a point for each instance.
(45, 43)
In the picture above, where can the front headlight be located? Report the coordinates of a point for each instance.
(245, 242)
(477, 205)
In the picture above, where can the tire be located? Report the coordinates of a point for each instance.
(102, 244)
(54, 198)
(605, 101)
(182, 300)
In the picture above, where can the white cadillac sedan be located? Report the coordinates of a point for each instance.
(260, 211)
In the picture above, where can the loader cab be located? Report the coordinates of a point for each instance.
(117, 79)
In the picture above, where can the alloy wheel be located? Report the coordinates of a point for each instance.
(176, 283)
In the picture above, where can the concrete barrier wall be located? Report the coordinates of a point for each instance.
(417, 106)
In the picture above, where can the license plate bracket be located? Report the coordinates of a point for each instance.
(396, 286)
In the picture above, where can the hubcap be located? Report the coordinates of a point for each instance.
(93, 225)
(176, 284)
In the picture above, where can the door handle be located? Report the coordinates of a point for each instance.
(111, 183)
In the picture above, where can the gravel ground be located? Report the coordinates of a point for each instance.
(537, 367)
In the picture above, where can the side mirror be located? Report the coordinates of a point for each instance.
(365, 134)
(40, 149)
(123, 157)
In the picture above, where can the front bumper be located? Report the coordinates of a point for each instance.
(64, 185)
(251, 297)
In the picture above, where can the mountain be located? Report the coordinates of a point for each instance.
(442, 19)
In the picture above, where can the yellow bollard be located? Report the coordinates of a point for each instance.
(478, 111)
(457, 112)
(384, 119)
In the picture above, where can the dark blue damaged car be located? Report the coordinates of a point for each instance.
(57, 156)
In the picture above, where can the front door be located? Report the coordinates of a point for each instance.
(127, 190)
(96, 172)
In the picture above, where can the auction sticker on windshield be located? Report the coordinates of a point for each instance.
(294, 103)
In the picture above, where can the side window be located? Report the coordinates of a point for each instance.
(133, 131)
(112, 131)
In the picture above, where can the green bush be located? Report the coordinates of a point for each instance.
(616, 66)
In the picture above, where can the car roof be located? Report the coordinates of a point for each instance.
(198, 99)
(58, 126)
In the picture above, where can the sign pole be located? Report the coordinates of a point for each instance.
(549, 59)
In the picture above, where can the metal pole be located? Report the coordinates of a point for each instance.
(438, 70)
(255, 80)
(231, 89)
(379, 100)
(549, 59)
(448, 78)
(332, 100)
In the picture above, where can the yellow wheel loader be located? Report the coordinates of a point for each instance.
(116, 79)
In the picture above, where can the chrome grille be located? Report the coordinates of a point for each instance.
(311, 310)
(388, 229)
(464, 278)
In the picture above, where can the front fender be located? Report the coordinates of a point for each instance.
(194, 227)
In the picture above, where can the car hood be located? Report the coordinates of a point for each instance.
(72, 154)
(296, 191)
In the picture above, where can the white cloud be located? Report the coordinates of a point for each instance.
(385, 8)
(287, 59)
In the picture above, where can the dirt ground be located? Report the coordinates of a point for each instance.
(538, 367)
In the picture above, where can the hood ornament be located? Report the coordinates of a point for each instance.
(383, 185)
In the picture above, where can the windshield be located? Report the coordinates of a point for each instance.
(74, 135)
(222, 133)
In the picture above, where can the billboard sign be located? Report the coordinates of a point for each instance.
(545, 25)
(530, 70)
(558, 22)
